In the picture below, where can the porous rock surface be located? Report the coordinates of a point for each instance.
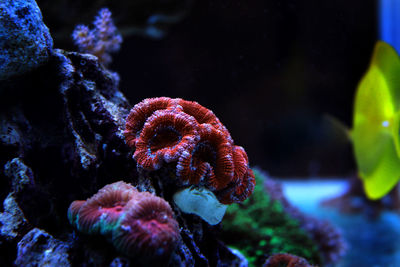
(38, 248)
(25, 41)
(62, 118)
(64, 141)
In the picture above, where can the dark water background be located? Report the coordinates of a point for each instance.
(270, 70)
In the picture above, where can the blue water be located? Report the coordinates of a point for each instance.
(371, 243)
(389, 20)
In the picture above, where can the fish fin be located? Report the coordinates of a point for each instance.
(375, 132)
(385, 176)
(386, 59)
(336, 128)
(373, 111)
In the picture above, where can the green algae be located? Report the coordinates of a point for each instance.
(259, 227)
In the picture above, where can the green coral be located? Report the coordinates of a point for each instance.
(259, 227)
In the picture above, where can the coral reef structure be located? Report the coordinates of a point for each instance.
(25, 41)
(328, 238)
(12, 220)
(137, 223)
(164, 130)
(266, 224)
(38, 248)
(66, 139)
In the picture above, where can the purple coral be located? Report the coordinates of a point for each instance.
(101, 40)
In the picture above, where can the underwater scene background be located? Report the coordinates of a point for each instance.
(199, 133)
(274, 67)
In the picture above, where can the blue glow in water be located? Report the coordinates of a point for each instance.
(373, 243)
(307, 194)
(389, 22)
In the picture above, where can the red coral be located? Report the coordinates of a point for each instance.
(240, 190)
(166, 134)
(140, 113)
(73, 210)
(137, 223)
(287, 260)
(243, 178)
(104, 207)
(148, 228)
(211, 158)
(203, 115)
(175, 130)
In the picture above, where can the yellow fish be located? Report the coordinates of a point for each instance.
(375, 132)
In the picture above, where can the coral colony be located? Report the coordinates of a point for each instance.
(183, 153)
(164, 130)
(137, 223)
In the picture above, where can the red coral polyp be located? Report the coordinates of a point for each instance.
(140, 113)
(105, 207)
(243, 179)
(210, 159)
(200, 113)
(164, 130)
(148, 229)
(137, 223)
(165, 136)
(73, 210)
(244, 188)
(203, 115)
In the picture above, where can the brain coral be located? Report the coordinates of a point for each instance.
(25, 41)
(135, 222)
(101, 210)
(166, 130)
(148, 228)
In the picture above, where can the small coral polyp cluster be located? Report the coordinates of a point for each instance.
(101, 40)
(137, 223)
(166, 130)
